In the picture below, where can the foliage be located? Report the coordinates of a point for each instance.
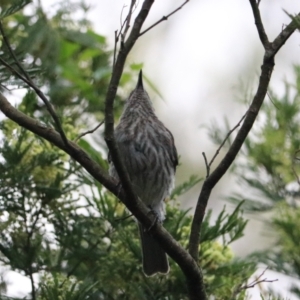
(10, 7)
(63, 55)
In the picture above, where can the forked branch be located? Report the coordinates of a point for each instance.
(271, 48)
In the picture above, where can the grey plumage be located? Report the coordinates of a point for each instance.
(149, 155)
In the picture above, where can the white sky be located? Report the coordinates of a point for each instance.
(198, 60)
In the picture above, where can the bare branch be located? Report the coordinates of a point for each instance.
(125, 25)
(221, 169)
(252, 284)
(164, 18)
(30, 83)
(259, 25)
(128, 19)
(115, 48)
(88, 132)
(206, 164)
(226, 138)
(122, 24)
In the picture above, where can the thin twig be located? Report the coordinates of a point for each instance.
(30, 83)
(128, 19)
(272, 101)
(206, 164)
(88, 132)
(121, 17)
(33, 296)
(248, 286)
(121, 33)
(296, 152)
(226, 138)
(28, 249)
(164, 18)
(14, 71)
(252, 284)
(115, 48)
(122, 24)
(124, 218)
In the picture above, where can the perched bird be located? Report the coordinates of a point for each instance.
(149, 155)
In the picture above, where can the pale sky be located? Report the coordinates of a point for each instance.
(198, 60)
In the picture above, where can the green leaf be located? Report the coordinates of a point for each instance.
(136, 67)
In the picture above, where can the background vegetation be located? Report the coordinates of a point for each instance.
(71, 237)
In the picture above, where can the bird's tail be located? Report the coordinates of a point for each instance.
(154, 257)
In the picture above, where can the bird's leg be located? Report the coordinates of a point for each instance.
(156, 219)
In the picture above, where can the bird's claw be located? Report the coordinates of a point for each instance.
(156, 217)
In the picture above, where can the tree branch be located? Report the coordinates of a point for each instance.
(224, 141)
(88, 132)
(259, 25)
(138, 209)
(221, 169)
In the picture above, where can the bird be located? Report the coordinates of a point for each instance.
(148, 153)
